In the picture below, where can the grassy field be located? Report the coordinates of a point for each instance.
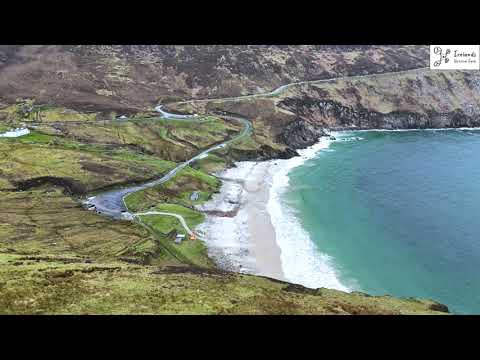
(28, 111)
(166, 224)
(167, 139)
(212, 163)
(167, 198)
(177, 191)
(91, 166)
(70, 286)
(165, 227)
(45, 221)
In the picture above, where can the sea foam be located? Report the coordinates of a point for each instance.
(302, 261)
(229, 241)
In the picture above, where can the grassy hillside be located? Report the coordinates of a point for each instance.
(70, 286)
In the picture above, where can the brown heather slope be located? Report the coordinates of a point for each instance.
(129, 78)
(415, 99)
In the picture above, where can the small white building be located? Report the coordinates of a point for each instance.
(127, 216)
(15, 133)
(194, 196)
(179, 238)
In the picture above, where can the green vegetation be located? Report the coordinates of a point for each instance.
(194, 177)
(45, 221)
(28, 111)
(166, 224)
(177, 191)
(166, 139)
(33, 138)
(92, 166)
(211, 164)
(165, 227)
(52, 285)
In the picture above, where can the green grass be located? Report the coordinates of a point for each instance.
(192, 217)
(38, 154)
(47, 221)
(190, 252)
(57, 287)
(165, 224)
(212, 163)
(46, 113)
(166, 139)
(33, 138)
(176, 191)
(192, 175)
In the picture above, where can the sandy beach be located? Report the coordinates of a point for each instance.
(238, 230)
(260, 228)
(250, 229)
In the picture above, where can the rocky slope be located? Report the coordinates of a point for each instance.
(416, 99)
(419, 99)
(134, 77)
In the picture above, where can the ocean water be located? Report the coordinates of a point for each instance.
(394, 213)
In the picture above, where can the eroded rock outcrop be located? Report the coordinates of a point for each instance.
(331, 114)
(300, 134)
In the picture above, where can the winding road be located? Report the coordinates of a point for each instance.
(282, 88)
(112, 202)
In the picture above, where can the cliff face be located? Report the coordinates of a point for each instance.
(336, 116)
(300, 134)
(421, 99)
(416, 99)
(135, 77)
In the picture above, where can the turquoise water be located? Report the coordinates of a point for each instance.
(398, 212)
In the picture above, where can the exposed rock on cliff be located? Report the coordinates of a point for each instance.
(418, 99)
(262, 154)
(301, 134)
(331, 114)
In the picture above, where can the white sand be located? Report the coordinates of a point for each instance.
(245, 242)
(264, 237)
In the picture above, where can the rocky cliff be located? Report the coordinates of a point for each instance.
(420, 99)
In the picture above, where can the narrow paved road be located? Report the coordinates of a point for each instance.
(282, 88)
(112, 202)
(179, 217)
